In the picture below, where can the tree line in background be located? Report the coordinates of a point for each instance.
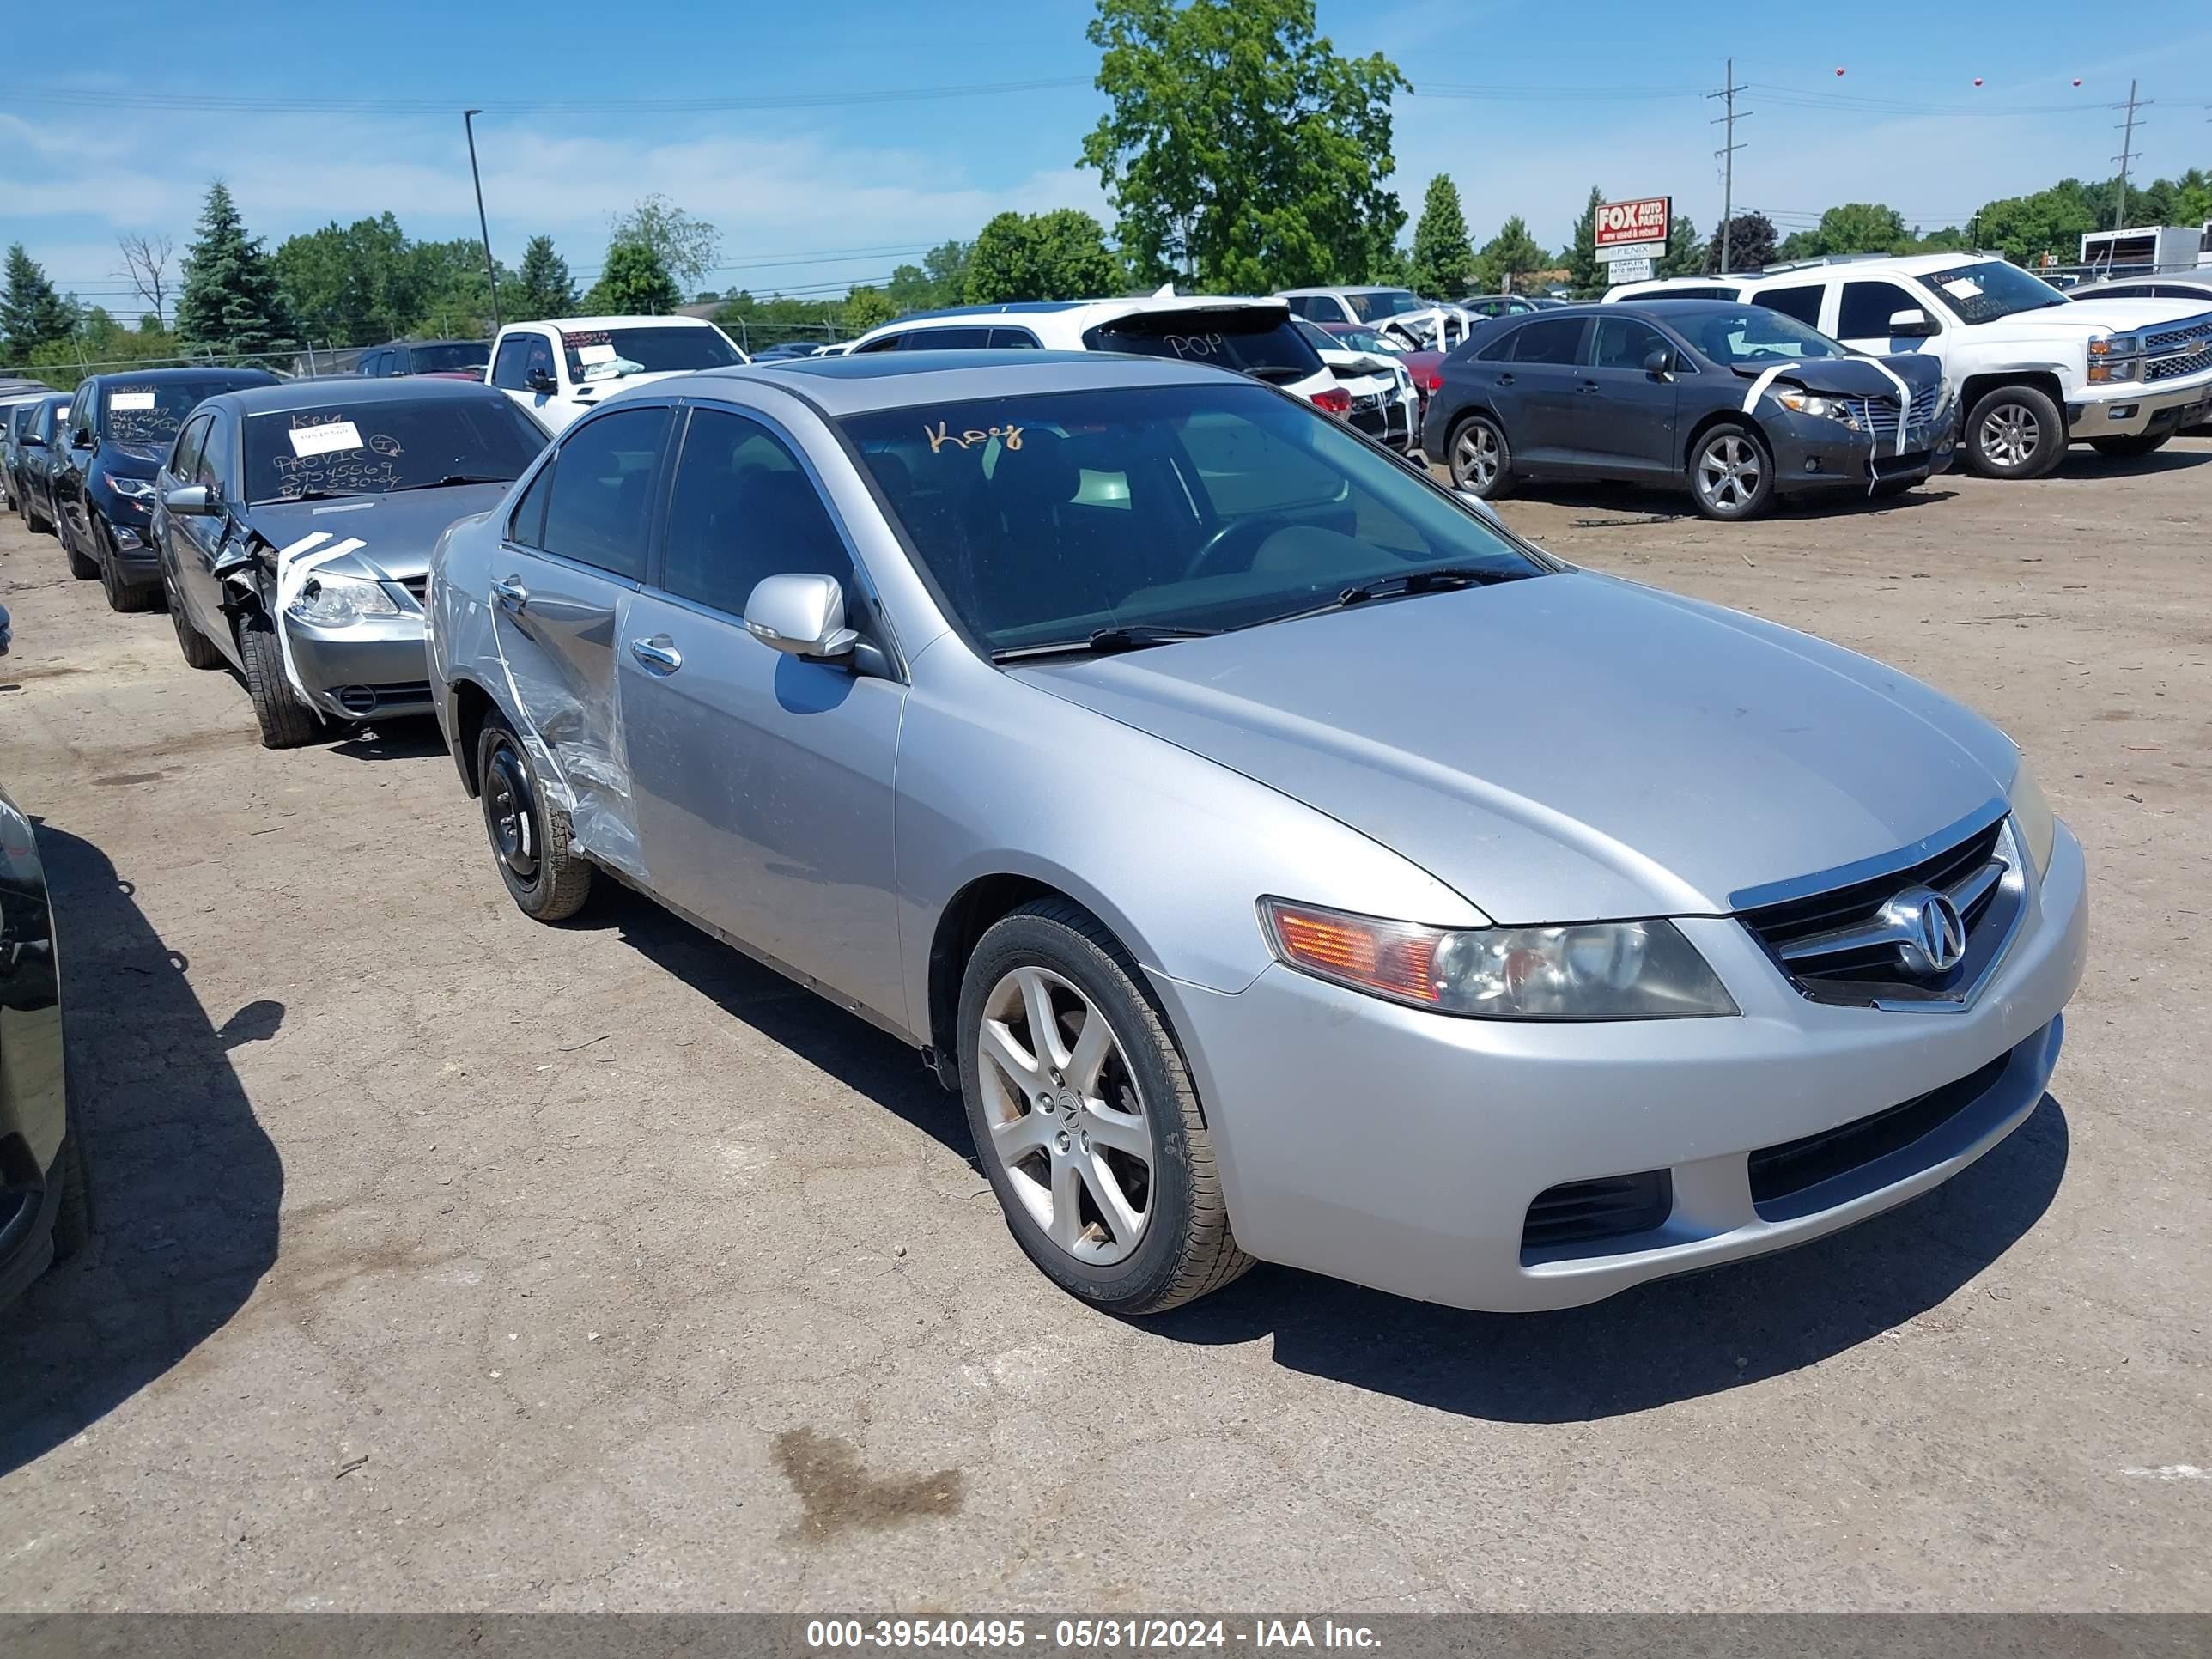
(1240, 151)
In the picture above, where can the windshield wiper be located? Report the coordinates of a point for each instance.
(1442, 578)
(1106, 642)
(450, 479)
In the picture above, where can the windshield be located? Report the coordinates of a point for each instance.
(380, 445)
(1043, 518)
(147, 416)
(1753, 335)
(1383, 302)
(1366, 339)
(611, 354)
(1251, 339)
(1990, 289)
(433, 359)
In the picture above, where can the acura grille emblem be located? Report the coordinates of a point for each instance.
(1931, 936)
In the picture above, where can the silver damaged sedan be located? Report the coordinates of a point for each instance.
(1283, 861)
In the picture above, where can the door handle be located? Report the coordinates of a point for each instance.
(1587, 385)
(1505, 379)
(510, 591)
(657, 654)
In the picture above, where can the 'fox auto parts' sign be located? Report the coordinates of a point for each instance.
(1632, 230)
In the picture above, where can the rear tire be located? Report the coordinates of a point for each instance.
(286, 721)
(1182, 1247)
(2129, 449)
(1731, 473)
(548, 879)
(2014, 432)
(1479, 457)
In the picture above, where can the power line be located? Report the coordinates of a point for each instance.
(222, 103)
(1727, 154)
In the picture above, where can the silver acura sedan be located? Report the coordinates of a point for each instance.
(1283, 860)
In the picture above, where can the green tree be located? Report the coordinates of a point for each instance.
(1751, 244)
(1854, 227)
(1391, 267)
(1061, 255)
(684, 246)
(545, 288)
(2026, 228)
(1444, 257)
(939, 280)
(1586, 277)
(1239, 149)
(1511, 254)
(1685, 250)
(633, 283)
(31, 313)
(231, 302)
(865, 308)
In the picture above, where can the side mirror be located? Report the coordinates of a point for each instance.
(191, 501)
(30, 441)
(1660, 363)
(1912, 323)
(800, 615)
(81, 438)
(539, 380)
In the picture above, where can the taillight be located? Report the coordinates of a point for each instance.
(1334, 399)
(1432, 381)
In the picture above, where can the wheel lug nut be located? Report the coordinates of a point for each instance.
(1063, 1140)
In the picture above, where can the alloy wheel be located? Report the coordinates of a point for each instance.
(1067, 1124)
(1730, 469)
(1475, 457)
(2008, 435)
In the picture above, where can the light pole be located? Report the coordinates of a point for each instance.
(491, 270)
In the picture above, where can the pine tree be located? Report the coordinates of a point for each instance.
(230, 301)
(1585, 276)
(544, 288)
(633, 283)
(31, 313)
(1443, 257)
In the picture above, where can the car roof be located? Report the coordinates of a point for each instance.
(907, 380)
(393, 345)
(1104, 309)
(1351, 288)
(585, 325)
(345, 391)
(167, 376)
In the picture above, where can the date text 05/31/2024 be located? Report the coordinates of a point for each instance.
(1088, 1634)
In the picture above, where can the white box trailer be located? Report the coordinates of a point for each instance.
(2148, 251)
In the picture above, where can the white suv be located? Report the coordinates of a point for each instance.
(1254, 337)
(558, 368)
(2033, 370)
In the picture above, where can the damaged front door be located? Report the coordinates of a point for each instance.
(559, 600)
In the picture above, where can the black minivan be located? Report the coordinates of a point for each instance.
(117, 434)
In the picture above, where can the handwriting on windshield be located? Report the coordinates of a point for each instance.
(1194, 345)
(1009, 435)
(331, 458)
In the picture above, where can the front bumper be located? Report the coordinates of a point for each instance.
(1392, 420)
(127, 523)
(1818, 453)
(376, 670)
(1402, 1149)
(2165, 406)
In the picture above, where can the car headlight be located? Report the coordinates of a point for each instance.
(333, 601)
(2031, 817)
(1807, 403)
(138, 489)
(1591, 970)
(2115, 345)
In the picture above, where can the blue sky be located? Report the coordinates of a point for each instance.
(816, 196)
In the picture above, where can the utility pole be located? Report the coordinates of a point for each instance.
(491, 269)
(1727, 154)
(2127, 154)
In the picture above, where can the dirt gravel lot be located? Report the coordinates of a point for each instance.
(453, 1262)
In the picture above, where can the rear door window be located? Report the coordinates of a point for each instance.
(600, 506)
(1803, 303)
(1624, 342)
(1549, 340)
(1015, 339)
(888, 342)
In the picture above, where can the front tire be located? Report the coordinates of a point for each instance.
(2014, 432)
(121, 596)
(2127, 449)
(547, 878)
(198, 651)
(1085, 1119)
(1481, 459)
(285, 721)
(1731, 474)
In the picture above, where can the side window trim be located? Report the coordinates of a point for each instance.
(654, 494)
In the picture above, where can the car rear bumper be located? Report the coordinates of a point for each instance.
(1405, 1151)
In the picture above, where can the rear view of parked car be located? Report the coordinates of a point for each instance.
(1111, 731)
(294, 526)
(465, 360)
(1732, 402)
(120, 427)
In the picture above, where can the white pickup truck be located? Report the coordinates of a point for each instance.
(2032, 370)
(558, 368)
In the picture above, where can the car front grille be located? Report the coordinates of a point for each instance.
(1836, 945)
(370, 699)
(1780, 1172)
(416, 587)
(1879, 415)
(1580, 1212)
(2186, 347)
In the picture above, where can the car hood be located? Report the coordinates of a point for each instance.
(597, 391)
(1855, 377)
(1570, 747)
(2082, 316)
(396, 531)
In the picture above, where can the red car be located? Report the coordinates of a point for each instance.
(1425, 367)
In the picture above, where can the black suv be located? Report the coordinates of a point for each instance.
(465, 359)
(113, 440)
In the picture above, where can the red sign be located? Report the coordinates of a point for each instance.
(1619, 222)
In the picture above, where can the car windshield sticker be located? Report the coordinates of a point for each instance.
(324, 438)
(1963, 287)
(601, 353)
(577, 342)
(941, 436)
(130, 400)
